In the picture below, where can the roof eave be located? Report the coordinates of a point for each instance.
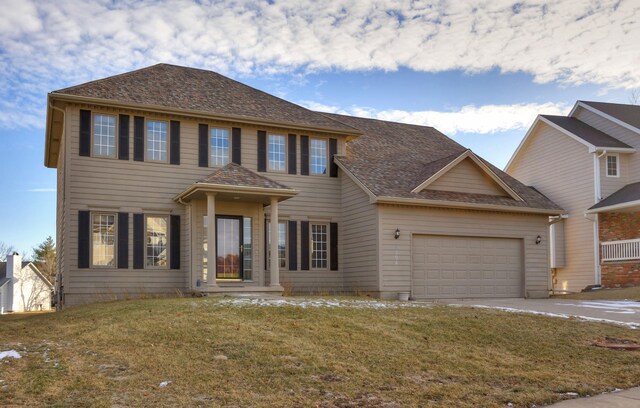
(200, 114)
(422, 202)
(212, 187)
(614, 207)
(599, 149)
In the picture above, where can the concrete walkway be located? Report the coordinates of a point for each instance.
(622, 399)
(622, 312)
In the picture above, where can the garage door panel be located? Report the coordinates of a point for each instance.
(449, 266)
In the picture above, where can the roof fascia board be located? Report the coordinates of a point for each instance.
(614, 207)
(372, 197)
(274, 192)
(467, 206)
(604, 115)
(40, 274)
(198, 114)
(469, 154)
(520, 146)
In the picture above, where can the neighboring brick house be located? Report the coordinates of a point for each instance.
(588, 163)
(155, 165)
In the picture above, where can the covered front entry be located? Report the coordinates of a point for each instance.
(454, 267)
(228, 231)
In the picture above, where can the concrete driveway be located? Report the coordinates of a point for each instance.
(622, 312)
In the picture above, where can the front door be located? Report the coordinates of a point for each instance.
(229, 247)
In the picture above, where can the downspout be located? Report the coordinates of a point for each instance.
(596, 232)
(552, 244)
(60, 287)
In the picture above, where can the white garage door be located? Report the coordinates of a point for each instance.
(466, 267)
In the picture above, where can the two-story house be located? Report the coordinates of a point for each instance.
(179, 179)
(587, 162)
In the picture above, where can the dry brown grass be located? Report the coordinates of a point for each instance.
(605, 294)
(116, 354)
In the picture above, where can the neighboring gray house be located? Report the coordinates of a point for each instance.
(155, 165)
(23, 288)
(588, 163)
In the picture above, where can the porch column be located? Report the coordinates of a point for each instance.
(211, 240)
(275, 271)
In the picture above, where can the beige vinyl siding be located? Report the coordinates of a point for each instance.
(562, 169)
(61, 214)
(629, 162)
(395, 255)
(144, 187)
(359, 237)
(467, 177)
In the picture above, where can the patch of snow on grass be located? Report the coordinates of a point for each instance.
(9, 354)
(320, 303)
(630, 325)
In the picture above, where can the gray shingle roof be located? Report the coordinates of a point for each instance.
(585, 132)
(626, 113)
(391, 159)
(200, 90)
(3, 268)
(628, 193)
(235, 175)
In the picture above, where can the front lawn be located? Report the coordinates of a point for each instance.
(215, 353)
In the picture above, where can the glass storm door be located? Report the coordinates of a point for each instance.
(229, 247)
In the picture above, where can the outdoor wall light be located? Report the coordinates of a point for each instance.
(396, 235)
(538, 239)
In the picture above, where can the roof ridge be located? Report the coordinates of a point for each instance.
(124, 74)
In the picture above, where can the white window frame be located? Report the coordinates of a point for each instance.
(93, 135)
(211, 163)
(115, 238)
(326, 157)
(146, 141)
(284, 166)
(311, 249)
(167, 244)
(286, 244)
(606, 165)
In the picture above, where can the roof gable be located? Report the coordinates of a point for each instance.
(627, 116)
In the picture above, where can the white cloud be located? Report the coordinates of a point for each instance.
(484, 119)
(49, 45)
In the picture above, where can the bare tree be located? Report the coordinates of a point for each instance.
(634, 98)
(45, 258)
(6, 250)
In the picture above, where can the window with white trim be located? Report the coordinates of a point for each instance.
(104, 135)
(219, 146)
(613, 165)
(276, 153)
(156, 140)
(318, 156)
(157, 241)
(103, 239)
(319, 246)
(282, 243)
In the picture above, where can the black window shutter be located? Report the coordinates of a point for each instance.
(123, 137)
(236, 142)
(138, 241)
(304, 155)
(262, 150)
(293, 245)
(85, 133)
(333, 150)
(304, 245)
(174, 232)
(174, 140)
(333, 242)
(266, 245)
(292, 154)
(138, 138)
(123, 240)
(203, 145)
(84, 238)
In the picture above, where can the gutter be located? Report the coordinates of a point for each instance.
(461, 205)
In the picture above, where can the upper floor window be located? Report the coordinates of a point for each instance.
(103, 239)
(156, 140)
(319, 246)
(613, 166)
(318, 156)
(104, 135)
(219, 147)
(156, 245)
(276, 153)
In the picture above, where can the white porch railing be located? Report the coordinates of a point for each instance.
(621, 250)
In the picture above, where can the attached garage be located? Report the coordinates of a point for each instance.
(466, 267)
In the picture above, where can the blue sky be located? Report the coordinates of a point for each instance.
(478, 71)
